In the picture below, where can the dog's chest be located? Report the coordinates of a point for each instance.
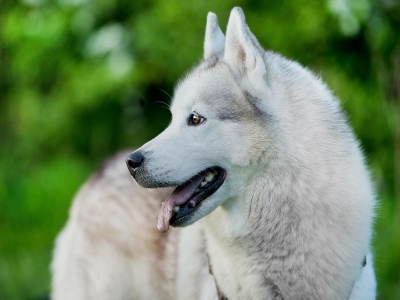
(238, 276)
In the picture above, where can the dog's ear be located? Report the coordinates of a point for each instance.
(214, 41)
(242, 50)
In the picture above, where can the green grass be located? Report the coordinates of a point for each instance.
(387, 250)
(25, 275)
(34, 207)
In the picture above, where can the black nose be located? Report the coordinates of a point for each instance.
(133, 161)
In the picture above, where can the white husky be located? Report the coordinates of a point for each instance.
(267, 167)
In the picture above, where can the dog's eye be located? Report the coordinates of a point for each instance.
(195, 119)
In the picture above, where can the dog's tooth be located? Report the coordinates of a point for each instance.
(209, 176)
(177, 208)
(203, 183)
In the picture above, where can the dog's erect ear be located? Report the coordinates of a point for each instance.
(242, 50)
(214, 40)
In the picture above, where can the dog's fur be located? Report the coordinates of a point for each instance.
(292, 220)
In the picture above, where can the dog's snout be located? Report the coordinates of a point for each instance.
(134, 161)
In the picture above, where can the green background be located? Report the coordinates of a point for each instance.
(81, 79)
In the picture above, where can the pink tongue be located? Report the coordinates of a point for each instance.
(178, 197)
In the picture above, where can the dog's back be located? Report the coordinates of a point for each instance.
(109, 248)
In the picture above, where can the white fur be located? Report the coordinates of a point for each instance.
(293, 219)
(214, 41)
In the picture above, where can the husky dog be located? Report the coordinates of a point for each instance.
(266, 166)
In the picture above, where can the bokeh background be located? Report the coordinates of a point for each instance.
(81, 79)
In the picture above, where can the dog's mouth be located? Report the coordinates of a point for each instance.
(187, 198)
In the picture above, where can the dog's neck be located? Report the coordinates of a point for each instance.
(240, 238)
(256, 215)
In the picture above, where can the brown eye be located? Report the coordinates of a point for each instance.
(195, 119)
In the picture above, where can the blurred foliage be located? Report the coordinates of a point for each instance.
(80, 79)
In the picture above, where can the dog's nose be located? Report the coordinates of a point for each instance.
(133, 161)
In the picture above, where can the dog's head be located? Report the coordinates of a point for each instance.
(220, 113)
